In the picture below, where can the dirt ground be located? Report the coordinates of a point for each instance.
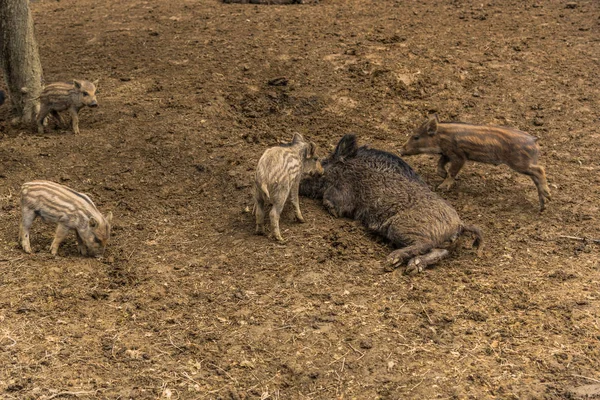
(189, 304)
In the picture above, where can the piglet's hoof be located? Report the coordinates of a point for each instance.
(446, 186)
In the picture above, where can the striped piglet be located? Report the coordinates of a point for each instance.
(66, 96)
(278, 175)
(70, 210)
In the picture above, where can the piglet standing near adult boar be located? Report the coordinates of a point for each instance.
(278, 176)
(71, 210)
(66, 96)
(387, 196)
(458, 142)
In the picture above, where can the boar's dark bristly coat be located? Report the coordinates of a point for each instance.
(380, 190)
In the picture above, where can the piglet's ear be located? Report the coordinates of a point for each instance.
(93, 222)
(311, 150)
(432, 125)
(297, 138)
(95, 82)
(77, 83)
(109, 217)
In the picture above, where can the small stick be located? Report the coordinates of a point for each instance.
(76, 394)
(586, 377)
(582, 239)
(425, 311)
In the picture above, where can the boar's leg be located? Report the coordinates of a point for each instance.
(538, 175)
(295, 200)
(26, 221)
(338, 201)
(456, 163)
(419, 263)
(74, 120)
(441, 168)
(61, 233)
(400, 256)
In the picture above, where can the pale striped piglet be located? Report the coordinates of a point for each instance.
(66, 96)
(71, 210)
(278, 176)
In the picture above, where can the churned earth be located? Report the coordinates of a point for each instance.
(189, 304)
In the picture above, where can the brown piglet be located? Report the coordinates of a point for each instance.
(458, 142)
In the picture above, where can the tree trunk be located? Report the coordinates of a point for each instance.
(19, 58)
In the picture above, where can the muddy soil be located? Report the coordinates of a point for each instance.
(189, 304)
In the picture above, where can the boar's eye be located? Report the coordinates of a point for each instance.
(85, 94)
(96, 240)
(416, 137)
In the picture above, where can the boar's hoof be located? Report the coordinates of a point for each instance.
(395, 259)
(419, 263)
(414, 266)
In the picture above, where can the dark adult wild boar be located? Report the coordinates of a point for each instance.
(387, 196)
(458, 142)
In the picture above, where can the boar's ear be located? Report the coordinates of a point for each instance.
(311, 150)
(93, 222)
(297, 138)
(346, 148)
(77, 83)
(432, 125)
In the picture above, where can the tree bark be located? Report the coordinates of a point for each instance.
(19, 58)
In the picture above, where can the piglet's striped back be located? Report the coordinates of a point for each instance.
(279, 165)
(59, 199)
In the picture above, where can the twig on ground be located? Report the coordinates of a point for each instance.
(587, 377)
(76, 394)
(582, 239)
(174, 345)
(425, 311)
(356, 351)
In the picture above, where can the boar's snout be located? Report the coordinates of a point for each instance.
(94, 103)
